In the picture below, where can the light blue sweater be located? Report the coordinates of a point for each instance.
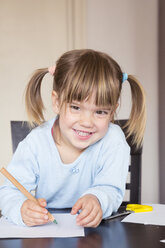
(100, 170)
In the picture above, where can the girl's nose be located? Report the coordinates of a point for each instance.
(86, 119)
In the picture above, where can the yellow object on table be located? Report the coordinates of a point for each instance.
(138, 208)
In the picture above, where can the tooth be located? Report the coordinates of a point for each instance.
(82, 133)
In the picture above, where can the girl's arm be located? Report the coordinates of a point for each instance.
(24, 168)
(109, 183)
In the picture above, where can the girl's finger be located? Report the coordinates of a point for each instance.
(92, 223)
(33, 222)
(35, 214)
(87, 219)
(84, 213)
(35, 207)
(42, 202)
(77, 206)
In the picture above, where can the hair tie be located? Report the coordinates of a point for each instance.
(52, 69)
(125, 77)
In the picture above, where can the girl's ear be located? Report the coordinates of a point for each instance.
(55, 102)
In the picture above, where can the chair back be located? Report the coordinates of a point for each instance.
(19, 130)
(134, 184)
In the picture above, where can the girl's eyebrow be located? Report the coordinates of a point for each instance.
(104, 108)
(75, 102)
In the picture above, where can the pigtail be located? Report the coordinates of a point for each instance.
(33, 100)
(137, 121)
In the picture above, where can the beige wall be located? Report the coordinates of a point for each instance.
(33, 35)
(127, 30)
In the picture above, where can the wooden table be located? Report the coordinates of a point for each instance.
(110, 234)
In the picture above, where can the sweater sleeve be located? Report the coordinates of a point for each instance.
(24, 168)
(110, 179)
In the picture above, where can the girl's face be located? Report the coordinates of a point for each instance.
(81, 124)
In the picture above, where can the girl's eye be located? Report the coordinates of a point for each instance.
(101, 112)
(74, 107)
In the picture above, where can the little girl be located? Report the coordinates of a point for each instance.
(79, 159)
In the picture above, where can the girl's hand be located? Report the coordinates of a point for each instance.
(91, 212)
(33, 214)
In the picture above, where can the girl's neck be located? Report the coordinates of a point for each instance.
(67, 153)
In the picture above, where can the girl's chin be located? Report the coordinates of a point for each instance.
(83, 146)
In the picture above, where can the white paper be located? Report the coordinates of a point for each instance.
(155, 217)
(66, 227)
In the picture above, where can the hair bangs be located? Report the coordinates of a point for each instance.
(88, 77)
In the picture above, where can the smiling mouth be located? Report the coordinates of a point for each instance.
(83, 133)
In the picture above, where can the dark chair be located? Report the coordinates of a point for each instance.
(134, 186)
(20, 129)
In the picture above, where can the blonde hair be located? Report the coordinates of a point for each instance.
(78, 74)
